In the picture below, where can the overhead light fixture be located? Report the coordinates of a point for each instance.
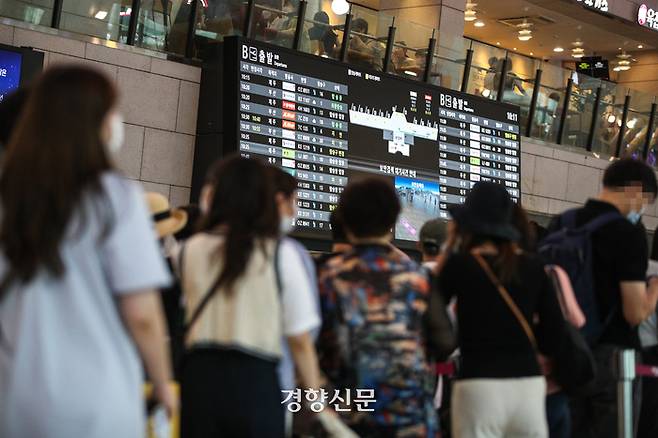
(100, 15)
(479, 23)
(498, 43)
(640, 46)
(486, 93)
(340, 7)
(525, 33)
(623, 62)
(410, 73)
(558, 49)
(612, 118)
(577, 51)
(514, 48)
(631, 123)
(532, 54)
(469, 12)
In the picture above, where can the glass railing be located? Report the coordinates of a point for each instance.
(38, 12)
(519, 84)
(559, 106)
(485, 71)
(409, 54)
(550, 102)
(323, 31)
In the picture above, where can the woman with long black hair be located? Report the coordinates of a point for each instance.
(500, 290)
(76, 245)
(244, 291)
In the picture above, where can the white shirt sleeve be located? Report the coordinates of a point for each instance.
(300, 311)
(131, 255)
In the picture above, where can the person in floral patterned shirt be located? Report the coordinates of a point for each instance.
(378, 330)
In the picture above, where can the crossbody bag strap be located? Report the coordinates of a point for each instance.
(508, 299)
(204, 301)
(215, 285)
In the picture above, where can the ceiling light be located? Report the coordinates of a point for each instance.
(558, 49)
(469, 15)
(514, 48)
(624, 62)
(525, 31)
(532, 54)
(640, 46)
(631, 123)
(578, 52)
(498, 43)
(611, 118)
(525, 35)
(486, 92)
(100, 15)
(479, 23)
(340, 7)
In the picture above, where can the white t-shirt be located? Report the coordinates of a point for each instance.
(68, 367)
(255, 315)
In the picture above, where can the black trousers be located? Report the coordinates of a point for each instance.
(594, 408)
(226, 393)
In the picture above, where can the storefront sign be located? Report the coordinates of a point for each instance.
(594, 66)
(647, 17)
(597, 5)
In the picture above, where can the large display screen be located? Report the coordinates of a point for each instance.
(328, 123)
(10, 71)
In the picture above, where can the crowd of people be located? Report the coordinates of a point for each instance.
(267, 341)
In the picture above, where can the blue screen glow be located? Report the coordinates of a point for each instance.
(10, 72)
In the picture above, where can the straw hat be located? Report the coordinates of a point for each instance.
(167, 220)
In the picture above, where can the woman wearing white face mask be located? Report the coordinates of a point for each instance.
(79, 268)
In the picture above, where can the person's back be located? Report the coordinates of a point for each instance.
(381, 298)
(375, 321)
(491, 342)
(79, 268)
(245, 289)
(499, 291)
(249, 316)
(88, 352)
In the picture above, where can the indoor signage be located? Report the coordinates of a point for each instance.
(647, 17)
(598, 5)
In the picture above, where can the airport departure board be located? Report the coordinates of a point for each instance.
(329, 123)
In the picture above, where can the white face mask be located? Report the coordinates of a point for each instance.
(287, 224)
(117, 134)
(634, 216)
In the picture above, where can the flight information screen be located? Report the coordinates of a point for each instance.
(329, 123)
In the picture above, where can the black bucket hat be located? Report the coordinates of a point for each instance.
(488, 211)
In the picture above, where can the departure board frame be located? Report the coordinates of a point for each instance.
(407, 127)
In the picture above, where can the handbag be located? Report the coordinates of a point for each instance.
(573, 361)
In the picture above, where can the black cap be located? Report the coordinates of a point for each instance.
(488, 211)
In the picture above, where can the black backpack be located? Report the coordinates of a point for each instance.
(571, 248)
